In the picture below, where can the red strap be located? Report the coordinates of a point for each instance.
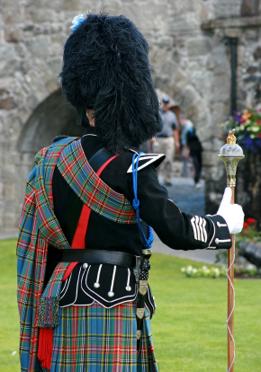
(101, 169)
(78, 241)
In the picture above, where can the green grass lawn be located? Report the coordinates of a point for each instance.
(189, 327)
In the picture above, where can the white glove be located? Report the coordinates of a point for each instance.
(232, 213)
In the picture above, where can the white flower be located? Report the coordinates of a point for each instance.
(189, 270)
(215, 272)
(205, 271)
(77, 21)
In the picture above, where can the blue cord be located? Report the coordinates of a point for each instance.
(147, 241)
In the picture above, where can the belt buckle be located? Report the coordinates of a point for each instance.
(146, 252)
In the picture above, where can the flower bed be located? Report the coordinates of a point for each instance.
(247, 127)
(204, 272)
(246, 272)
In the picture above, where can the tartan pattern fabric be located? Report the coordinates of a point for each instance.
(94, 338)
(49, 302)
(48, 224)
(38, 227)
(93, 192)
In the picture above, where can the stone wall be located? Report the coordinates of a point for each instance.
(248, 32)
(249, 69)
(189, 63)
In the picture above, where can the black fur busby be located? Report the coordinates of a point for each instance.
(106, 68)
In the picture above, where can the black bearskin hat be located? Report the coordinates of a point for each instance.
(106, 68)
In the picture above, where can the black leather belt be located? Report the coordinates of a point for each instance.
(94, 256)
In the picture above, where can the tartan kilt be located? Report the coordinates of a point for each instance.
(93, 338)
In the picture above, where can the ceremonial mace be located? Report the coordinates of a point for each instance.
(231, 153)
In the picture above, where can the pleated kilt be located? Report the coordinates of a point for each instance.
(93, 338)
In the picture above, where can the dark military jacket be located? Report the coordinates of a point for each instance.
(176, 229)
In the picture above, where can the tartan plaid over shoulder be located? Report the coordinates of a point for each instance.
(92, 190)
(39, 227)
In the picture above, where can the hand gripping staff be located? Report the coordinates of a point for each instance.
(230, 153)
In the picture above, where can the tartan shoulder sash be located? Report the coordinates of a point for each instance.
(45, 163)
(90, 188)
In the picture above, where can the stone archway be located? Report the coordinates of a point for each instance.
(52, 117)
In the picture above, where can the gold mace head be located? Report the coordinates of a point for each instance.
(231, 153)
(231, 138)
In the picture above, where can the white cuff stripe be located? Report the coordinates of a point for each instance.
(204, 230)
(199, 228)
(194, 227)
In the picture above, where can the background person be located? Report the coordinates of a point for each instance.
(185, 126)
(167, 140)
(195, 153)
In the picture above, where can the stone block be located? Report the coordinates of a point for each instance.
(187, 25)
(7, 102)
(257, 53)
(13, 35)
(40, 47)
(43, 14)
(55, 67)
(252, 70)
(10, 63)
(199, 46)
(217, 61)
(12, 13)
(225, 8)
(252, 35)
(249, 8)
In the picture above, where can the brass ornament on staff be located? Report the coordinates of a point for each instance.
(231, 153)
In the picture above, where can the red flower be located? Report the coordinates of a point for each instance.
(251, 221)
(248, 222)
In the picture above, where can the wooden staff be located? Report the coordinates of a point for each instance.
(231, 153)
